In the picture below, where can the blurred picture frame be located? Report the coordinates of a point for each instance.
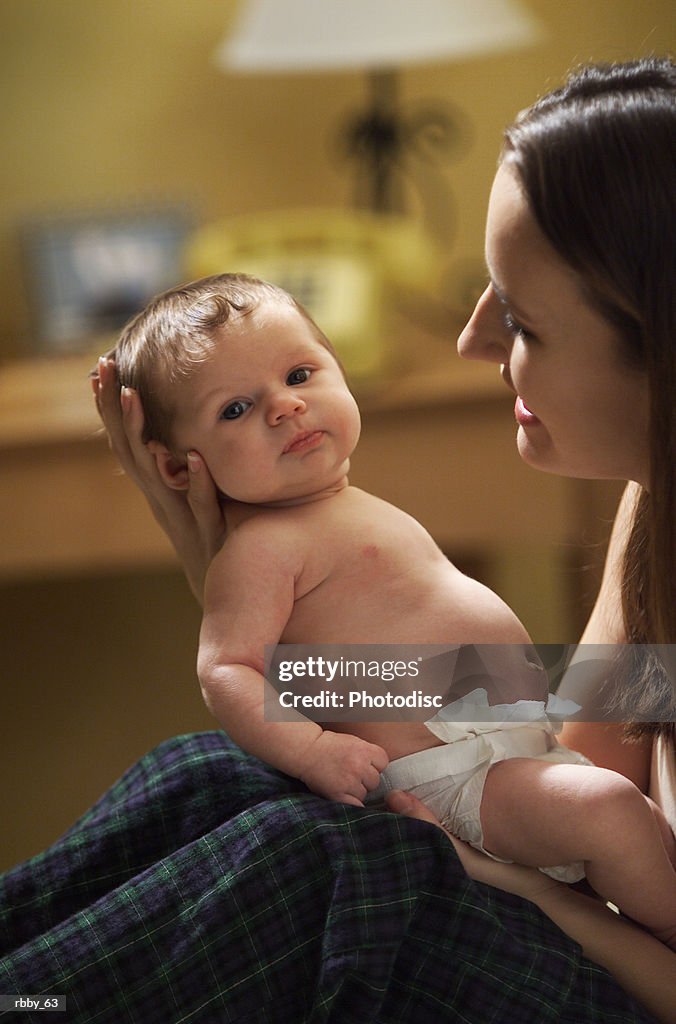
(89, 273)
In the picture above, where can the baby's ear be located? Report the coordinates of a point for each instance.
(173, 471)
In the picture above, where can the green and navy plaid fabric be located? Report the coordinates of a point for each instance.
(205, 887)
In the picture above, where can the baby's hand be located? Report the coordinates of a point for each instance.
(342, 767)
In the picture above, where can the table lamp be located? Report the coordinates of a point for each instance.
(380, 37)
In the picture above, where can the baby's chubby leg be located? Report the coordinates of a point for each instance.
(668, 837)
(542, 814)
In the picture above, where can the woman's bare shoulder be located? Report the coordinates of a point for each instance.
(605, 625)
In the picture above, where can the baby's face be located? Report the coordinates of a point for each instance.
(269, 411)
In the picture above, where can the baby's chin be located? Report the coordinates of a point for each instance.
(234, 497)
(286, 495)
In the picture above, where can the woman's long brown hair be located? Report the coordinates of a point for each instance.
(597, 163)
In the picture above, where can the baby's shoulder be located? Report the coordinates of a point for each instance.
(366, 510)
(273, 534)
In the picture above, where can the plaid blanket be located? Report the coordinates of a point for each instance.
(206, 887)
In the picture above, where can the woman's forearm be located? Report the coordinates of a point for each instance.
(643, 966)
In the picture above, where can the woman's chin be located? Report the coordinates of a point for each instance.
(537, 451)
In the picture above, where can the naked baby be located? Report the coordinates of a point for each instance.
(234, 369)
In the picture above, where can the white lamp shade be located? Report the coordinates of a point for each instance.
(277, 36)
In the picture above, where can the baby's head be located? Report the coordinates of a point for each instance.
(178, 330)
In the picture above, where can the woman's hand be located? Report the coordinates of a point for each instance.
(192, 520)
(640, 963)
(529, 883)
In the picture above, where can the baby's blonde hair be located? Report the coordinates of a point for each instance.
(177, 331)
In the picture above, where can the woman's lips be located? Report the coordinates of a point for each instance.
(302, 442)
(524, 417)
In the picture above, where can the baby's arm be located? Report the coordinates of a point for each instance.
(249, 598)
(542, 815)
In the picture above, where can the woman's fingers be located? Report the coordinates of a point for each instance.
(109, 405)
(141, 464)
(409, 805)
(122, 415)
(107, 394)
(202, 492)
(194, 521)
(515, 878)
(204, 503)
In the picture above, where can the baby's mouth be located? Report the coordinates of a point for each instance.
(307, 439)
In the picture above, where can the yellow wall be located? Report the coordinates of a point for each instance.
(107, 102)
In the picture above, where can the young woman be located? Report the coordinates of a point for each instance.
(581, 316)
(204, 882)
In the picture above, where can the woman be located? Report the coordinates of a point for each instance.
(588, 309)
(580, 315)
(375, 919)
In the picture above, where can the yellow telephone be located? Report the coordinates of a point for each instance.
(350, 269)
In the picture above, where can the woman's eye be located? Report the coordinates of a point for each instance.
(515, 328)
(235, 410)
(299, 376)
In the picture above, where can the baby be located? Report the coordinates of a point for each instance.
(234, 369)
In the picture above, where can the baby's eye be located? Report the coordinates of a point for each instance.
(235, 409)
(299, 376)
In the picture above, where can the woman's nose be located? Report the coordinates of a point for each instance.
(485, 335)
(285, 404)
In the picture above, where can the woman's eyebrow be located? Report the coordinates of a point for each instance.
(505, 300)
(499, 292)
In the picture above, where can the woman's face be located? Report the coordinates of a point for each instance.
(581, 410)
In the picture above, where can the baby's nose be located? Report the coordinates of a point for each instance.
(285, 404)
